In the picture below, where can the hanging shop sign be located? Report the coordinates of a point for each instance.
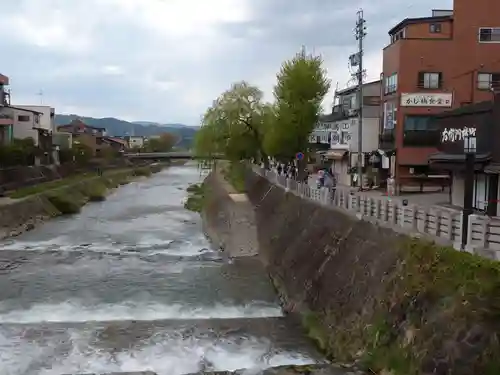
(426, 100)
(453, 135)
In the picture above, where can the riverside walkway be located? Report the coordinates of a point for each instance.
(436, 223)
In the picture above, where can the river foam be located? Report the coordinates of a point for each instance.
(164, 356)
(75, 311)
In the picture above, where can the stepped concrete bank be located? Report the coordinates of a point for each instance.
(366, 294)
(228, 218)
(21, 215)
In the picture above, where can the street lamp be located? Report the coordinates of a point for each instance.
(470, 160)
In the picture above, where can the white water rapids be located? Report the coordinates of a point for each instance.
(131, 284)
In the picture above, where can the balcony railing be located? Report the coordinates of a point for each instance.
(421, 138)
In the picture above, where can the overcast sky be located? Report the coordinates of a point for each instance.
(166, 60)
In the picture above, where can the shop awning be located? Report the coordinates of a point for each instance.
(493, 168)
(456, 161)
(456, 158)
(335, 155)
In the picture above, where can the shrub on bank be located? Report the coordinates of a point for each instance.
(64, 203)
(196, 197)
(155, 168)
(95, 190)
(142, 172)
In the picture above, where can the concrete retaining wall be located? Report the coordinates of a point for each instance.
(229, 219)
(373, 296)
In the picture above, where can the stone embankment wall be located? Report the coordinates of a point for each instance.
(368, 295)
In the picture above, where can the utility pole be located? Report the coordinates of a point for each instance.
(360, 36)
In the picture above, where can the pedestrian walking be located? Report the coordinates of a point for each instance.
(391, 186)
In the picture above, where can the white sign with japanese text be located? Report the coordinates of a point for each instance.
(426, 100)
(453, 135)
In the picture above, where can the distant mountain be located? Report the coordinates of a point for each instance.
(119, 128)
(149, 123)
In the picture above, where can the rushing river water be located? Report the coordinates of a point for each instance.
(131, 284)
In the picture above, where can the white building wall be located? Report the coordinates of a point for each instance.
(136, 142)
(46, 121)
(370, 135)
(24, 125)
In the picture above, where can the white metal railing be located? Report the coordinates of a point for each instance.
(442, 223)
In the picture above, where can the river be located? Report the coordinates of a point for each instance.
(131, 284)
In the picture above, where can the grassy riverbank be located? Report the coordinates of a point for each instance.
(70, 195)
(234, 173)
(436, 302)
(56, 184)
(196, 197)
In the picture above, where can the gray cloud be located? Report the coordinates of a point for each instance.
(139, 60)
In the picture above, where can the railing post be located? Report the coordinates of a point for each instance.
(449, 222)
(394, 217)
(378, 204)
(386, 211)
(439, 218)
(414, 217)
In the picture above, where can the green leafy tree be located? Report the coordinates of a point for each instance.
(164, 143)
(301, 86)
(234, 125)
(20, 152)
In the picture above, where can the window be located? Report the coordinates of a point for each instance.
(419, 123)
(429, 80)
(391, 84)
(486, 81)
(420, 131)
(399, 35)
(23, 118)
(489, 35)
(435, 28)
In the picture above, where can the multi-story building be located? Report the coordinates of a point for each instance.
(6, 119)
(36, 122)
(433, 64)
(135, 141)
(340, 131)
(90, 136)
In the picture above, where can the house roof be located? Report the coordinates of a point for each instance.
(328, 117)
(409, 21)
(78, 122)
(26, 110)
(352, 89)
(116, 140)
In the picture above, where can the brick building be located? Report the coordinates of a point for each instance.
(431, 65)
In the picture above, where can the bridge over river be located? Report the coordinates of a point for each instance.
(132, 284)
(169, 155)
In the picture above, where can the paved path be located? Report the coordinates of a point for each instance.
(424, 199)
(6, 200)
